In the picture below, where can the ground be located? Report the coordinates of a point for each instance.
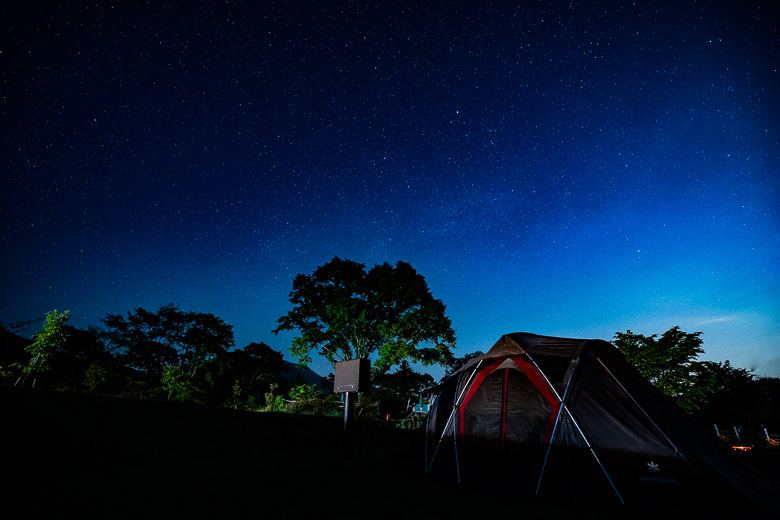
(90, 456)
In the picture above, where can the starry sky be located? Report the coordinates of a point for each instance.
(562, 168)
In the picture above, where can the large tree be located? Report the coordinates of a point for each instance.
(386, 313)
(670, 363)
(150, 341)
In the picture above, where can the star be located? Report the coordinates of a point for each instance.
(557, 182)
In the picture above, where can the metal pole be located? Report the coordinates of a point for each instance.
(450, 419)
(346, 437)
(557, 420)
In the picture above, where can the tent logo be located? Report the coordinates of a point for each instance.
(652, 466)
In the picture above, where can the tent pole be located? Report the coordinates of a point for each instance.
(455, 407)
(427, 432)
(587, 443)
(640, 408)
(549, 447)
(594, 455)
(546, 380)
(455, 445)
(557, 419)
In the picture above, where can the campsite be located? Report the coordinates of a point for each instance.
(570, 419)
(90, 456)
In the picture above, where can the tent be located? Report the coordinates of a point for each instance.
(570, 418)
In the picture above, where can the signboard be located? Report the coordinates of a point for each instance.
(351, 376)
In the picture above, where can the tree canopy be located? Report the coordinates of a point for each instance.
(150, 341)
(738, 397)
(342, 311)
(255, 367)
(670, 363)
(396, 390)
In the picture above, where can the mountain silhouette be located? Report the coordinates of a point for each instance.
(307, 376)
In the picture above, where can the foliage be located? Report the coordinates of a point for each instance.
(307, 398)
(73, 357)
(95, 375)
(150, 341)
(343, 312)
(737, 398)
(257, 366)
(178, 383)
(367, 407)
(304, 393)
(18, 325)
(240, 378)
(149, 355)
(772, 386)
(83, 344)
(397, 390)
(273, 402)
(670, 363)
(237, 390)
(51, 337)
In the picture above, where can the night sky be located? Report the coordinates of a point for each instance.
(567, 170)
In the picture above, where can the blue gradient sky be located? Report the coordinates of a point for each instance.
(567, 170)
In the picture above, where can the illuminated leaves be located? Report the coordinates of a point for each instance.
(388, 313)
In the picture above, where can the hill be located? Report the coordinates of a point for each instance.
(306, 375)
(12, 347)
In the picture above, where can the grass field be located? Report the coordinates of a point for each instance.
(89, 456)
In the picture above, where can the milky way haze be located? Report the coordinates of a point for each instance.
(570, 170)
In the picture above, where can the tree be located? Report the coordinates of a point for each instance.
(772, 386)
(75, 355)
(178, 382)
(738, 397)
(306, 398)
(343, 312)
(150, 341)
(252, 372)
(669, 362)
(51, 337)
(395, 390)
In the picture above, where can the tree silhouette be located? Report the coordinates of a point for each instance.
(150, 341)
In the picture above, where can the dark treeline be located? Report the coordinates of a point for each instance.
(171, 354)
(168, 354)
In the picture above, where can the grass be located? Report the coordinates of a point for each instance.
(91, 456)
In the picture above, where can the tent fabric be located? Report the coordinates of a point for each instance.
(570, 417)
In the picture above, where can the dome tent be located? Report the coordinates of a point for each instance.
(570, 418)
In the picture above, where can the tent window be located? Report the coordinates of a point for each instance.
(507, 409)
(527, 410)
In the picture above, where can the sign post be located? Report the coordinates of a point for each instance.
(351, 377)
